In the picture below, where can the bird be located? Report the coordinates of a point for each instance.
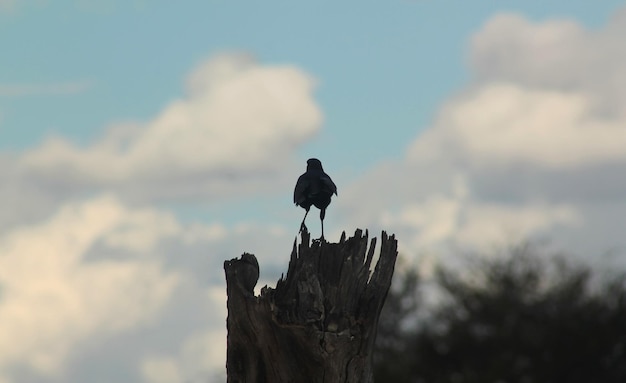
(314, 187)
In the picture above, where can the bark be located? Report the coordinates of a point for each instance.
(319, 323)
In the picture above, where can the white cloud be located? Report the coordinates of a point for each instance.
(556, 54)
(537, 139)
(52, 299)
(201, 355)
(511, 46)
(142, 233)
(549, 94)
(161, 370)
(444, 222)
(506, 124)
(97, 273)
(239, 123)
(141, 230)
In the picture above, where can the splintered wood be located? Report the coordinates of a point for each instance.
(319, 323)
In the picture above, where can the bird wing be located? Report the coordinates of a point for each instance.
(328, 184)
(299, 193)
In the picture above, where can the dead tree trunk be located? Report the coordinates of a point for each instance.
(319, 324)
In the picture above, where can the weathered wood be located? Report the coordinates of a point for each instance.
(319, 323)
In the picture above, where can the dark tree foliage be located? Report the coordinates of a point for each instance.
(523, 317)
(392, 359)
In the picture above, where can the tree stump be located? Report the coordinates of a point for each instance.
(319, 323)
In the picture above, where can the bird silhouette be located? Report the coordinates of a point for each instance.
(315, 188)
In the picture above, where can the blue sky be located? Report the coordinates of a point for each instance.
(142, 143)
(127, 60)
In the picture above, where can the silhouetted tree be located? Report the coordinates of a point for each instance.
(392, 360)
(519, 318)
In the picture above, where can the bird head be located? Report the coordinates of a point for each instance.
(314, 163)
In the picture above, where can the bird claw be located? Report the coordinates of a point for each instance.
(303, 228)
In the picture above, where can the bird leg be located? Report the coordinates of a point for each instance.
(322, 215)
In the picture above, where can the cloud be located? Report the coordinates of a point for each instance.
(558, 54)
(90, 286)
(500, 125)
(235, 133)
(532, 147)
(440, 221)
(549, 95)
(52, 299)
(161, 370)
(448, 216)
(202, 353)
(238, 125)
